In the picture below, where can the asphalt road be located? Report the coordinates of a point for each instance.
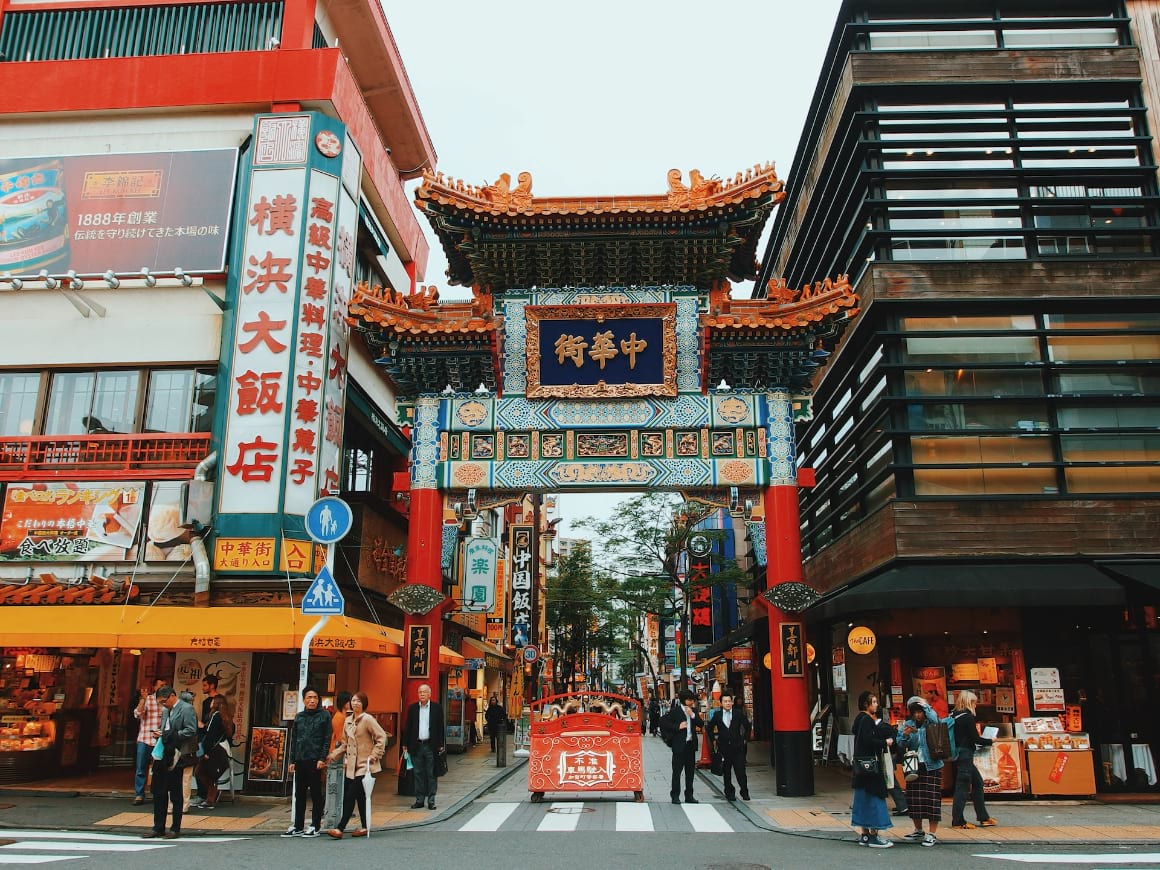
(450, 846)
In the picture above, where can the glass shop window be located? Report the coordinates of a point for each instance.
(181, 400)
(19, 392)
(973, 382)
(95, 403)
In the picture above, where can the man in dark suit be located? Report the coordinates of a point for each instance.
(178, 741)
(679, 729)
(728, 738)
(423, 740)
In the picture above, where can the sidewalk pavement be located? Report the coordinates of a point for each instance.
(826, 814)
(91, 804)
(104, 803)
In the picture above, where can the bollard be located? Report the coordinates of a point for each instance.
(501, 747)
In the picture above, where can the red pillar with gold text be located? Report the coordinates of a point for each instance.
(792, 738)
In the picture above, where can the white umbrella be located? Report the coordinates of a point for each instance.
(368, 787)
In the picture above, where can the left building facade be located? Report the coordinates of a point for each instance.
(189, 195)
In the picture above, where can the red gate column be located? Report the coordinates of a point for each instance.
(792, 739)
(424, 554)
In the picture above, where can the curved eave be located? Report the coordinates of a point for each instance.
(783, 317)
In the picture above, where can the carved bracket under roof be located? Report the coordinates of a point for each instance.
(784, 307)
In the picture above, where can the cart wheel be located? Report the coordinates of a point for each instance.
(537, 797)
(639, 795)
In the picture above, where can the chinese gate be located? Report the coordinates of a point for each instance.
(602, 350)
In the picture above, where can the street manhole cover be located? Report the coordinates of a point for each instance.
(570, 811)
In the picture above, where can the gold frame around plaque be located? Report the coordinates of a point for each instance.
(666, 312)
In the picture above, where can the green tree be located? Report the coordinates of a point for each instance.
(645, 545)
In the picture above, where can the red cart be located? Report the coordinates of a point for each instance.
(586, 742)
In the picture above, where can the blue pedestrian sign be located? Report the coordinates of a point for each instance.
(328, 520)
(323, 597)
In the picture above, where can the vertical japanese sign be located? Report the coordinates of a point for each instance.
(310, 348)
(334, 390)
(419, 652)
(792, 649)
(701, 607)
(521, 599)
(267, 295)
(479, 563)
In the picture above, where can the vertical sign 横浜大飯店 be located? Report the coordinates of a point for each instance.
(522, 554)
(479, 563)
(308, 376)
(334, 389)
(267, 294)
(419, 652)
(792, 649)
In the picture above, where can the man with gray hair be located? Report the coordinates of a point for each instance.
(175, 750)
(422, 741)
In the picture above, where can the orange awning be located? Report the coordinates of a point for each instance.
(450, 657)
(161, 627)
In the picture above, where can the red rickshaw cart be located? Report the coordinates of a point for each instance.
(586, 742)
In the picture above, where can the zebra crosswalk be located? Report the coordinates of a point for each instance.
(567, 816)
(47, 847)
(1098, 859)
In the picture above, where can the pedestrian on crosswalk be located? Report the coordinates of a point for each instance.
(176, 750)
(679, 729)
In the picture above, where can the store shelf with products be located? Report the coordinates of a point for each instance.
(1059, 762)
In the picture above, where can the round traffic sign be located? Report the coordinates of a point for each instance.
(329, 520)
(530, 653)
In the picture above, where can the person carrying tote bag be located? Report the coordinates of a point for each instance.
(870, 741)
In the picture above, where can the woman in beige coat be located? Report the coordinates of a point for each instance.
(363, 743)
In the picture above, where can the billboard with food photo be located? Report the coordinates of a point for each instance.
(95, 212)
(70, 522)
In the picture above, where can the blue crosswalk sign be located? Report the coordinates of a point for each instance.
(323, 597)
(328, 520)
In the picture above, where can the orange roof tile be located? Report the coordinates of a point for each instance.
(784, 308)
(52, 593)
(420, 313)
(700, 194)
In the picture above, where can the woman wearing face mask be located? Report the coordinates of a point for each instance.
(871, 739)
(363, 744)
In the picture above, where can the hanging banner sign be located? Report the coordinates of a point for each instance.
(520, 546)
(479, 566)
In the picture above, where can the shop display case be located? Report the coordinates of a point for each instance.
(1058, 762)
(28, 748)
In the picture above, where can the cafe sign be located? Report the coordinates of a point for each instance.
(861, 640)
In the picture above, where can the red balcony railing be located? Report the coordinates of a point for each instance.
(115, 457)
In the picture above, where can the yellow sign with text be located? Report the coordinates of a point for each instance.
(861, 640)
(243, 554)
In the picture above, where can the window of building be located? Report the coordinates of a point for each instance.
(1123, 382)
(180, 400)
(1027, 416)
(1119, 346)
(19, 392)
(1132, 416)
(904, 249)
(972, 348)
(1137, 458)
(92, 402)
(916, 189)
(973, 382)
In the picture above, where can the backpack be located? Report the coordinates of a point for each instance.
(939, 740)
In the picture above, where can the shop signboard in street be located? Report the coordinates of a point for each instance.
(91, 521)
(267, 754)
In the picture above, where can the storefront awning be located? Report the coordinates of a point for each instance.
(1146, 574)
(234, 628)
(486, 648)
(449, 657)
(972, 585)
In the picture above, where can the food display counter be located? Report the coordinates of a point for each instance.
(1058, 762)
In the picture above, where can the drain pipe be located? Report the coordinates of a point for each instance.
(197, 551)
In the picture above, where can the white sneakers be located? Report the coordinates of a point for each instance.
(308, 831)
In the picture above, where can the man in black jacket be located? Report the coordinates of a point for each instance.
(309, 746)
(679, 729)
(495, 718)
(178, 740)
(729, 737)
(423, 740)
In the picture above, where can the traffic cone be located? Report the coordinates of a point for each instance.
(706, 759)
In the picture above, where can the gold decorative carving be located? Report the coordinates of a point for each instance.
(468, 474)
(737, 471)
(666, 312)
(502, 196)
(593, 444)
(603, 472)
(389, 559)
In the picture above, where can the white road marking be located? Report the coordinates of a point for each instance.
(633, 817)
(1103, 858)
(562, 821)
(491, 817)
(76, 846)
(705, 819)
(10, 834)
(37, 859)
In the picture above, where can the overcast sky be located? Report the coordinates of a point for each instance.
(604, 97)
